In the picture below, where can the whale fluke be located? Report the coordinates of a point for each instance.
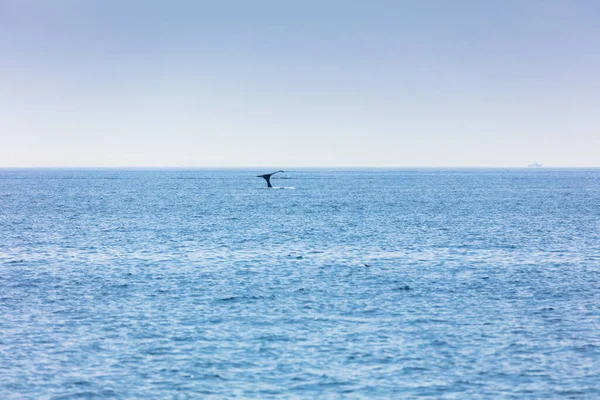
(267, 177)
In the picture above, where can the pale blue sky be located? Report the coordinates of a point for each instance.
(299, 83)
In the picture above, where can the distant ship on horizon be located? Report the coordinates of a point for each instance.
(536, 164)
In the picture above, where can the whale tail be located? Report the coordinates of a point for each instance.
(267, 177)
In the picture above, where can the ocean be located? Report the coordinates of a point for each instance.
(337, 283)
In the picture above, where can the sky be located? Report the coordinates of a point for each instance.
(126, 83)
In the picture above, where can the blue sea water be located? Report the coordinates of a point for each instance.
(203, 284)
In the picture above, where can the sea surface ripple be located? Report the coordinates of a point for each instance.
(182, 284)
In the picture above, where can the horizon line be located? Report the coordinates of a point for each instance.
(213, 167)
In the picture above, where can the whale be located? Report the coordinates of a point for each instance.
(267, 177)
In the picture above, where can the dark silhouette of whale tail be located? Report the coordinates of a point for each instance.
(267, 177)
